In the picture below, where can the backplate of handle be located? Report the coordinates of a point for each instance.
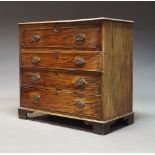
(36, 77)
(35, 60)
(80, 83)
(80, 37)
(36, 97)
(79, 62)
(35, 38)
(79, 104)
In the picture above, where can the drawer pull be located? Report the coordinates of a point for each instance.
(35, 38)
(36, 77)
(80, 83)
(79, 62)
(35, 60)
(80, 37)
(36, 97)
(79, 104)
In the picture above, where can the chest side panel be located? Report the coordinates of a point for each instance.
(117, 79)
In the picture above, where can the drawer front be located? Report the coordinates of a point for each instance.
(71, 103)
(61, 37)
(90, 61)
(77, 82)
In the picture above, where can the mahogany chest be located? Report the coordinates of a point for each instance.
(80, 69)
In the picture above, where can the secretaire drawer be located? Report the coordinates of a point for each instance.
(59, 101)
(68, 37)
(69, 81)
(76, 60)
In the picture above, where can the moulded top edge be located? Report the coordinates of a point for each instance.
(78, 20)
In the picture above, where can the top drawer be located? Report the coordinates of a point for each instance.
(61, 37)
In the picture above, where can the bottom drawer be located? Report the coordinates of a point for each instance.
(63, 102)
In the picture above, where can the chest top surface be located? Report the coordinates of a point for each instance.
(79, 20)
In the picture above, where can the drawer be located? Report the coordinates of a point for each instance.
(68, 37)
(77, 60)
(64, 102)
(70, 81)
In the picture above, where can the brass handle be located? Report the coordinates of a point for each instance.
(79, 104)
(80, 37)
(80, 82)
(79, 62)
(36, 97)
(35, 38)
(35, 60)
(36, 77)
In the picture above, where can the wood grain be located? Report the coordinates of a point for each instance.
(117, 78)
(64, 37)
(60, 101)
(107, 51)
(62, 59)
(61, 80)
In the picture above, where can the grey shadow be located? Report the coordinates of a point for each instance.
(73, 123)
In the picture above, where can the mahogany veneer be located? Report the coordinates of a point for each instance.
(79, 69)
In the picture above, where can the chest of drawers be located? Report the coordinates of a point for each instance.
(80, 69)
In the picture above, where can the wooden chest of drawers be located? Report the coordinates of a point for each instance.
(79, 69)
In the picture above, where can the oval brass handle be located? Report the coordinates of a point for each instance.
(35, 60)
(80, 37)
(36, 97)
(36, 77)
(79, 62)
(80, 82)
(79, 104)
(35, 38)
